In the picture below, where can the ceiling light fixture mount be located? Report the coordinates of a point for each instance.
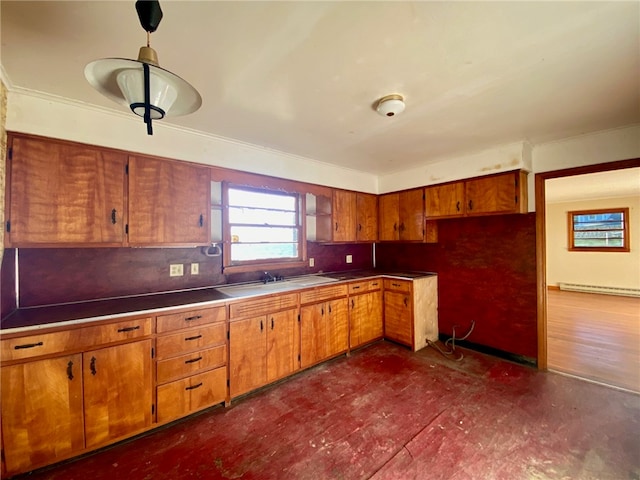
(149, 90)
(390, 105)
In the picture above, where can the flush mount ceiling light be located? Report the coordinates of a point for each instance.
(390, 105)
(150, 91)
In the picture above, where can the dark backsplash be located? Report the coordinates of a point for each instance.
(60, 275)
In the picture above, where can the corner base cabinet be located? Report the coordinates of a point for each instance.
(411, 311)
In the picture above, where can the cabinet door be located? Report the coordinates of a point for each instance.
(283, 341)
(494, 194)
(366, 217)
(398, 318)
(337, 326)
(65, 194)
(117, 391)
(344, 216)
(42, 412)
(365, 318)
(444, 201)
(313, 334)
(388, 215)
(411, 208)
(168, 203)
(247, 355)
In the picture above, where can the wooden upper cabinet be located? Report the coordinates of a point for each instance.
(411, 208)
(366, 217)
(64, 194)
(168, 202)
(443, 201)
(401, 216)
(503, 193)
(389, 217)
(494, 194)
(344, 216)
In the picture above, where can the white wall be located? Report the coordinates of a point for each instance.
(29, 112)
(609, 269)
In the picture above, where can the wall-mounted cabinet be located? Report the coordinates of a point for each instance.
(502, 193)
(344, 217)
(64, 194)
(167, 202)
(401, 217)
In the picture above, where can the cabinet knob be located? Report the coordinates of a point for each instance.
(201, 221)
(336, 226)
(92, 366)
(470, 204)
(70, 370)
(113, 216)
(458, 205)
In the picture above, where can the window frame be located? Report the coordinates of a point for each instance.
(625, 230)
(239, 266)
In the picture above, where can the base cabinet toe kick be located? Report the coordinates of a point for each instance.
(69, 390)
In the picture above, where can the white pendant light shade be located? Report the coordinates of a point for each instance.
(162, 94)
(122, 80)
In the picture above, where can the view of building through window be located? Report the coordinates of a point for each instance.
(599, 230)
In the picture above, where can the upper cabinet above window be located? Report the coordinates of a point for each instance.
(64, 194)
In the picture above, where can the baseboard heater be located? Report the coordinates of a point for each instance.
(575, 287)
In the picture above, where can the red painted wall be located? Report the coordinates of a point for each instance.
(486, 270)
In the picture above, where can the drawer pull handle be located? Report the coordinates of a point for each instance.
(201, 221)
(113, 216)
(356, 287)
(271, 323)
(70, 370)
(193, 338)
(195, 317)
(261, 325)
(374, 284)
(128, 329)
(352, 304)
(28, 345)
(458, 205)
(193, 360)
(396, 285)
(92, 366)
(336, 226)
(470, 204)
(193, 387)
(405, 302)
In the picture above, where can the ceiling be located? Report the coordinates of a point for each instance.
(592, 186)
(303, 77)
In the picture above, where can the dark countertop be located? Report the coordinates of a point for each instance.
(35, 318)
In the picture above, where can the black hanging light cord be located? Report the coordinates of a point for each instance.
(150, 15)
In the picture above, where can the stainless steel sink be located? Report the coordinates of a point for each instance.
(258, 288)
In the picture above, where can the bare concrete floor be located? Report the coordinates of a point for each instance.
(386, 413)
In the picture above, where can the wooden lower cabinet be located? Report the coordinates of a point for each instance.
(324, 331)
(411, 311)
(365, 318)
(117, 392)
(191, 359)
(182, 397)
(42, 412)
(262, 349)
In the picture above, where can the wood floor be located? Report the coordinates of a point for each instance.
(596, 337)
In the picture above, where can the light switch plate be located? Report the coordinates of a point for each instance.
(195, 268)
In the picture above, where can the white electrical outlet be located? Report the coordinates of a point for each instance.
(312, 262)
(349, 258)
(195, 268)
(176, 270)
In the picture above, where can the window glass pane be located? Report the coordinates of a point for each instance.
(261, 251)
(248, 198)
(598, 229)
(260, 216)
(241, 234)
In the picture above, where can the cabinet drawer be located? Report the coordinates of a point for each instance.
(364, 287)
(263, 306)
(182, 397)
(397, 285)
(191, 340)
(73, 339)
(192, 318)
(184, 365)
(323, 293)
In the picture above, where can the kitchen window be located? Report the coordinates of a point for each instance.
(263, 229)
(605, 230)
